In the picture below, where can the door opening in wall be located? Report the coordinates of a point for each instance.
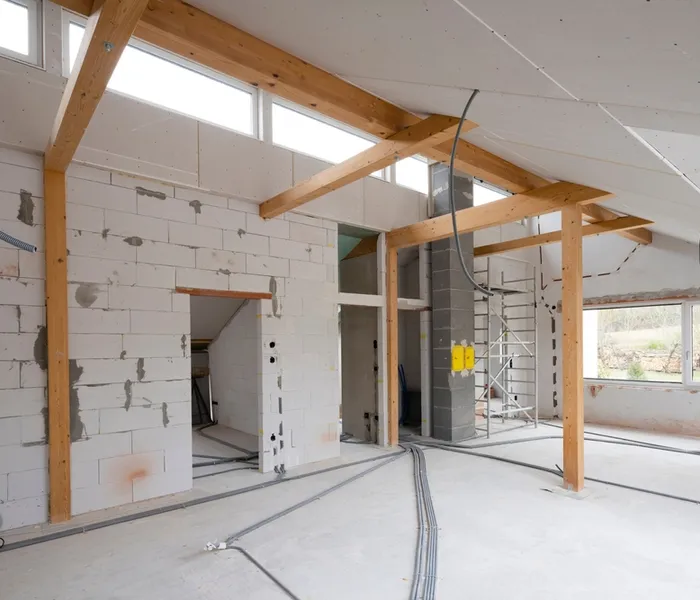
(410, 373)
(226, 377)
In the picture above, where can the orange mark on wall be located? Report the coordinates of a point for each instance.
(137, 474)
(594, 389)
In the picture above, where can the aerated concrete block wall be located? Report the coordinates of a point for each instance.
(131, 242)
(235, 360)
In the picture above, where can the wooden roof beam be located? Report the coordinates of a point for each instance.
(107, 33)
(594, 213)
(412, 140)
(617, 225)
(541, 201)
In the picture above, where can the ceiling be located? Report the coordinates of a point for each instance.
(600, 93)
(209, 314)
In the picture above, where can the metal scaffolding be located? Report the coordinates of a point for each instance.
(505, 342)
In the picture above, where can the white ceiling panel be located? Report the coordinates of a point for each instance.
(554, 124)
(423, 41)
(661, 120)
(682, 149)
(631, 52)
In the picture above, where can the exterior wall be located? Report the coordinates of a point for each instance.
(235, 360)
(615, 269)
(130, 243)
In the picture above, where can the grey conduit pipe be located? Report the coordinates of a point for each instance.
(13, 241)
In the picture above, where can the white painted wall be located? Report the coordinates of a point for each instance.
(235, 360)
(617, 268)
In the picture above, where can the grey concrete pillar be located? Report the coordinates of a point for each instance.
(453, 315)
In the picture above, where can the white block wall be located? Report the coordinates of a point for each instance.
(129, 334)
(235, 361)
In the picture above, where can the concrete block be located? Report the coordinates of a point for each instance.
(276, 227)
(101, 496)
(27, 484)
(21, 513)
(267, 265)
(101, 371)
(301, 232)
(243, 205)
(91, 173)
(10, 203)
(33, 429)
(96, 270)
(15, 459)
(181, 303)
(17, 346)
(90, 345)
(223, 218)
(332, 274)
(3, 490)
(115, 420)
(220, 260)
(84, 474)
(297, 218)
(168, 209)
(154, 486)
(131, 467)
(85, 218)
(316, 253)
(21, 158)
(122, 297)
(199, 278)
(9, 375)
(199, 196)
(88, 320)
(25, 292)
(32, 234)
(10, 431)
(163, 369)
(9, 319)
(31, 319)
(128, 225)
(290, 249)
(32, 266)
(249, 243)
(100, 195)
(305, 287)
(32, 375)
(195, 235)
(14, 178)
(178, 413)
(101, 446)
(155, 276)
(152, 346)
(87, 295)
(165, 254)
(163, 438)
(160, 322)
(9, 262)
(307, 270)
(112, 395)
(143, 187)
(250, 283)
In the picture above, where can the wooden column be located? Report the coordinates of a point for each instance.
(57, 334)
(392, 334)
(572, 350)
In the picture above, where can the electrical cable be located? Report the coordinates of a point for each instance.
(419, 559)
(56, 535)
(203, 475)
(270, 576)
(13, 241)
(453, 210)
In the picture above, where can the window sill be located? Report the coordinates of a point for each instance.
(675, 385)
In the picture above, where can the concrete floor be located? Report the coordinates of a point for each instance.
(502, 534)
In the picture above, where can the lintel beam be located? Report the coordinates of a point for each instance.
(541, 201)
(617, 225)
(107, 33)
(412, 140)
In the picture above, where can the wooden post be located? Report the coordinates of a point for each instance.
(572, 348)
(392, 334)
(57, 334)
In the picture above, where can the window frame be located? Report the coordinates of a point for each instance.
(68, 17)
(35, 58)
(686, 344)
(316, 116)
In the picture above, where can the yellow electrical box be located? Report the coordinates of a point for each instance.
(458, 358)
(469, 358)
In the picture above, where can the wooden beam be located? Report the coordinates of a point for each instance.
(615, 226)
(405, 143)
(572, 347)
(392, 334)
(366, 246)
(541, 201)
(224, 293)
(594, 213)
(107, 33)
(57, 346)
